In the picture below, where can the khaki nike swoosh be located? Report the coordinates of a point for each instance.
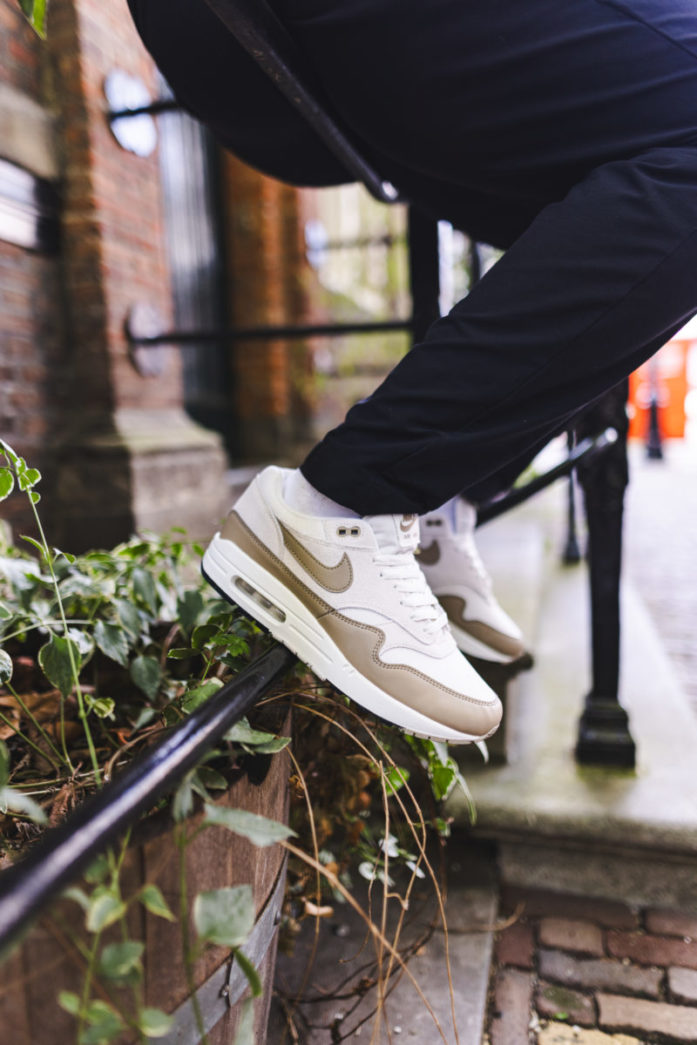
(332, 578)
(429, 556)
(406, 523)
(454, 607)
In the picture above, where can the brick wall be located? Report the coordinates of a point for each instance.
(268, 284)
(113, 442)
(113, 251)
(31, 356)
(21, 51)
(32, 346)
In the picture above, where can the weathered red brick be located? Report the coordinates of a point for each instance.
(682, 984)
(570, 934)
(652, 950)
(676, 1022)
(599, 972)
(562, 1003)
(543, 902)
(512, 1007)
(672, 923)
(515, 945)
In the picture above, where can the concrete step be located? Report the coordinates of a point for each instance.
(628, 835)
(520, 550)
(345, 957)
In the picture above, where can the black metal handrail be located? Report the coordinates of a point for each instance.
(63, 852)
(583, 452)
(270, 332)
(256, 27)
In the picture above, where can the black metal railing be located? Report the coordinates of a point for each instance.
(63, 852)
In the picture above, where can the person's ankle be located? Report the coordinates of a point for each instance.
(303, 497)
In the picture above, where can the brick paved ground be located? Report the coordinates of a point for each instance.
(570, 970)
(661, 550)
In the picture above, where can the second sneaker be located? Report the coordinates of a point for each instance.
(459, 580)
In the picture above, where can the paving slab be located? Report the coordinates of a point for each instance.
(561, 1034)
(677, 1022)
(345, 954)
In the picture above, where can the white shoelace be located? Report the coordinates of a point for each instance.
(402, 569)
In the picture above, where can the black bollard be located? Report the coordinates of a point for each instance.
(604, 737)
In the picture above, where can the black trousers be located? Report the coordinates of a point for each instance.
(563, 130)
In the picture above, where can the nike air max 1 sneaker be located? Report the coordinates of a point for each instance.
(348, 597)
(459, 580)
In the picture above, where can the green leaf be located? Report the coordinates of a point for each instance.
(28, 477)
(4, 764)
(69, 1001)
(78, 895)
(68, 556)
(5, 667)
(35, 544)
(203, 634)
(181, 653)
(200, 694)
(253, 978)
(245, 1028)
(8, 451)
(151, 898)
(189, 607)
(147, 675)
(119, 959)
(112, 641)
(7, 483)
(443, 780)
(83, 641)
(271, 747)
(54, 659)
(21, 803)
(211, 778)
(145, 715)
(225, 916)
(105, 909)
(5, 612)
(34, 496)
(154, 1023)
(128, 615)
(395, 778)
(183, 801)
(144, 586)
(258, 829)
(35, 10)
(102, 707)
(242, 733)
(98, 870)
(105, 1024)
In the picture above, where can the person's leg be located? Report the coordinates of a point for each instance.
(596, 284)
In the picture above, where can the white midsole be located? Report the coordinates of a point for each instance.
(226, 564)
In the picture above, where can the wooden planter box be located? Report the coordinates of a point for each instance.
(48, 962)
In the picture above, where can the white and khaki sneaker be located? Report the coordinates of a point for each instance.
(348, 597)
(458, 578)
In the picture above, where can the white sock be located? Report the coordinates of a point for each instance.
(303, 497)
(461, 513)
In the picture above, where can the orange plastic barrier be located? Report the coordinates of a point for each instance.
(667, 371)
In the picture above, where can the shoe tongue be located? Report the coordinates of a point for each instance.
(395, 533)
(465, 516)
